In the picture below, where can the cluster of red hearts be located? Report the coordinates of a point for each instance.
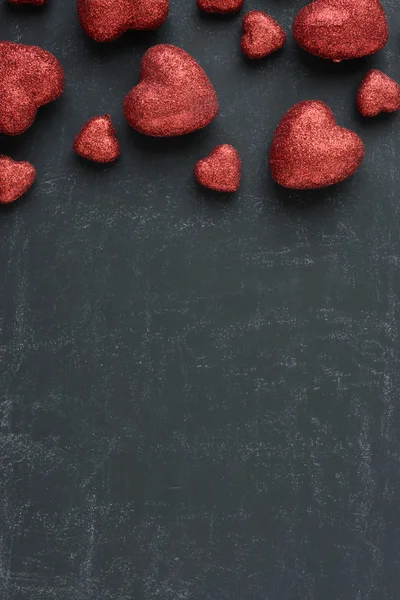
(175, 96)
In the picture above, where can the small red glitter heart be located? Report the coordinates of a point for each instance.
(16, 177)
(262, 35)
(378, 93)
(310, 150)
(221, 170)
(341, 29)
(174, 96)
(107, 20)
(97, 140)
(29, 78)
(33, 2)
(222, 7)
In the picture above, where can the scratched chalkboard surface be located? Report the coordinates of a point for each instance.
(199, 393)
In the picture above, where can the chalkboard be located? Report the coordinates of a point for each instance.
(199, 392)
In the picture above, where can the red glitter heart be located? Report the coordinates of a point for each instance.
(16, 177)
(107, 20)
(33, 2)
(378, 93)
(29, 78)
(310, 150)
(262, 35)
(174, 95)
(97, 140)
(222, 7)
(221, 170)
(341, 29)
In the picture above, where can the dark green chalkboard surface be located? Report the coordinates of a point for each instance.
(200, 395)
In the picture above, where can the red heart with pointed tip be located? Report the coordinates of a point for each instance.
(220, 6)
(341, 29)
(221, 170)
(16, 177)
(262, 35)
(107, 20)
(174, 96)
(310, 150)
(33, 2)
(97, 140)
(378, 93)
(29, 78)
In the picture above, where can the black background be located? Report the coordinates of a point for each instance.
(200, 393)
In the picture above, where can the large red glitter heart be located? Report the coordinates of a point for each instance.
(107, 20)
(15, 178)
(341, 29)
(378, 93)
(174, 95)
(29, 78)
(310, 150)
(97, 140)
(220, 6)
(221, 170)
(262, 35)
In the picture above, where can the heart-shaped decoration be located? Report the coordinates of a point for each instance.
(174, 95)
(221, 170)
(32, 2)
(262, 35)
(29, 78)
(16, 177)
(378, 93)
(341, 29)
(107, 20)
(97, 140)
(310, 150)
(222, 7)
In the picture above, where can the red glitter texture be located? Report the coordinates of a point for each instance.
(378, 93)
(97, 140)
(174, 96)
(221, 170)
(107, 20)
(220, 6)
(33, 2)
(15, 178)
(29, 78)
(341, 29)
(310, 150)
(262, 35)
